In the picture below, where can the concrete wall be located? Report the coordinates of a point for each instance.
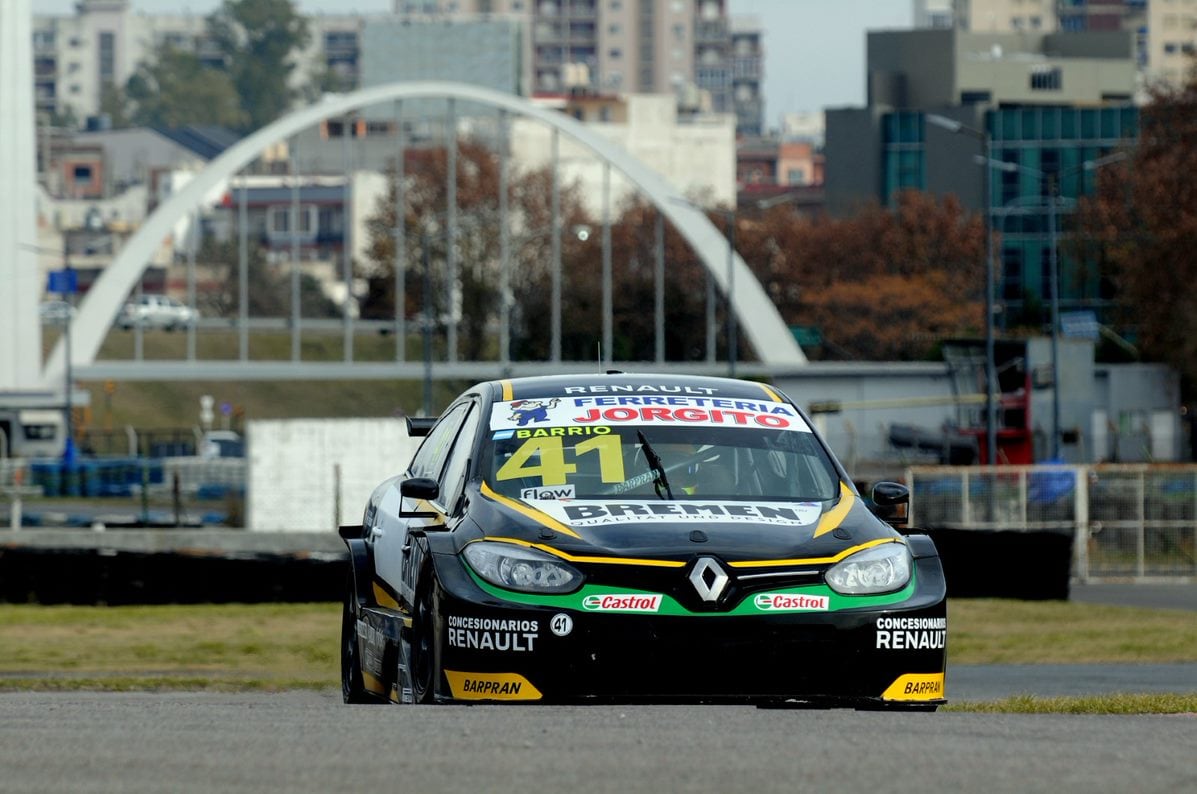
(1123, 412)
(130, 155)
(1078, 398)
(859, 432)
(292, 484)
(1142, 411)
(653, 136)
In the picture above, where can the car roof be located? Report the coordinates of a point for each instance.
(626, 383)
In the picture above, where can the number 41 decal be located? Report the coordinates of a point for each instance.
(552, 468)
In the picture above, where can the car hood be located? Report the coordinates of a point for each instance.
(679, 529)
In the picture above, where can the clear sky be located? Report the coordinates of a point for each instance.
(814, 49)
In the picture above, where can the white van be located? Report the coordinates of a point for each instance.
(32, 433)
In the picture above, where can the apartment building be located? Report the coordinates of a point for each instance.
(1171, 40)
(75, 56)
(1164, 31)
(689, 48)
(933, 13)
(1004, 16)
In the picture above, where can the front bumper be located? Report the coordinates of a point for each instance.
(865, 651)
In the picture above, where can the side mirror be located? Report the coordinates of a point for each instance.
(889, 494)
(419, 488)
(887, 498)
(424, 488)
(419, 426)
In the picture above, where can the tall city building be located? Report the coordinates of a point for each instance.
(1171, 40)
(1161, 29)
(1048, 105)
(933, 13)
(688, 48)
(1003, 16)
(77, 56)
(747, 62)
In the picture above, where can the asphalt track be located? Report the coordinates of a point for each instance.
(310, 742)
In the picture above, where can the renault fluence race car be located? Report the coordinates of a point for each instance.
(635, 538)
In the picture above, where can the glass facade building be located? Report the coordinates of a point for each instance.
(1038, 142)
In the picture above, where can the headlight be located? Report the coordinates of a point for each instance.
(877, 570)
(519, 568)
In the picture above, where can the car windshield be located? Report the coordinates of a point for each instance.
(538, 451)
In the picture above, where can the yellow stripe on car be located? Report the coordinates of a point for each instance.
(373, 683)
(835, 516)
(813, 560)
(774, 396)
(491, 686)
(915, 686)
(383, 598)
(528, 511)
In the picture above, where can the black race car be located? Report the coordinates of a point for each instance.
(633, 538)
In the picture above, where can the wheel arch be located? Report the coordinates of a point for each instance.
(359, 571)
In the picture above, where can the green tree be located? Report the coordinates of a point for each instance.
(65, 118)
(269, 285)
(257, 39)
(325, 81)
(114, 105)
(174, 89)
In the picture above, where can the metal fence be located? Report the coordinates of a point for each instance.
(118, 491)
(1134, 521)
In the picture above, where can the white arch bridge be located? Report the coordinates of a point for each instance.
(763, 328)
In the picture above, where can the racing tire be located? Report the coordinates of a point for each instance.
(425, 670)
(353, 690)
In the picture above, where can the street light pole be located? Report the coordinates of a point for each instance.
(732, 330)
(68, 453)
(1053, 179)
(957, 127)
(990, 364)
(1053, 190)
(427, 324)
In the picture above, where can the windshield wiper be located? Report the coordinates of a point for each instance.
(654, 463)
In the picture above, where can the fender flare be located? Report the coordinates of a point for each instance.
(359, 570)
(921, 545)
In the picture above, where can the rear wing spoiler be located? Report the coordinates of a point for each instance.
(418, 426)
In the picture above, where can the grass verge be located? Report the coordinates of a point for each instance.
(221, 647)
(999, 631)
(254, 647)
(1161, 703)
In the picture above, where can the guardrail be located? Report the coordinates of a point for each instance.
(1135, 521)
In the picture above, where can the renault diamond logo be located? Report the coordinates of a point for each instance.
(708, 579)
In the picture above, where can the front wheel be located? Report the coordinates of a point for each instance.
(425, 670)
(353, 690)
